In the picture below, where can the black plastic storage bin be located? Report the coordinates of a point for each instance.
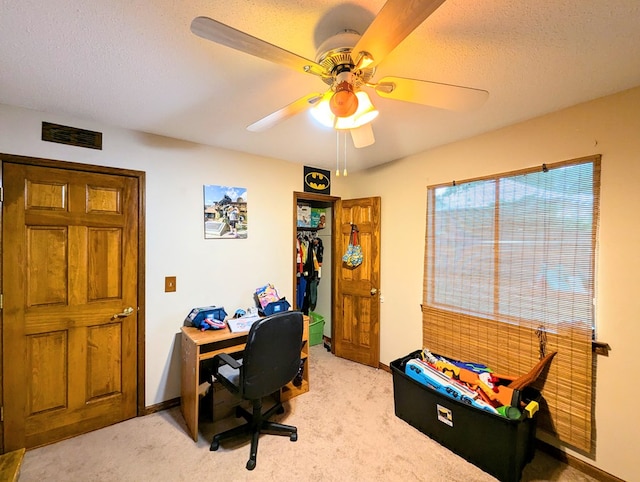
(496, 444)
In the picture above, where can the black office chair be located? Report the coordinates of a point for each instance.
(270, 360)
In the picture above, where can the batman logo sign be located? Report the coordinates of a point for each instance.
(317, 181)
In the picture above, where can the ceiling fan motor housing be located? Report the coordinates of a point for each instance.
(334, 54)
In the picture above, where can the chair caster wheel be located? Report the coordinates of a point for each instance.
(214, 446)
(280, 410)
(293, 437)
(251, 464)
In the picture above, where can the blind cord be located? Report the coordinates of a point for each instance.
(541, 333)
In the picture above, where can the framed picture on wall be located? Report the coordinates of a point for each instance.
(225, 212)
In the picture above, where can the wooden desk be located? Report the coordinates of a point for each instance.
(199, 345)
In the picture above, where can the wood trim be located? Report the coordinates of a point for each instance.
(311, 196)
(576, 463)
(158, 407)
(36, 161)
(142, 303)
(141, 177)
(10, 464)
(1, 318)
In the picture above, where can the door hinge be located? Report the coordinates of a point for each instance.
(1, 301)
(1, 414)
(1, 194)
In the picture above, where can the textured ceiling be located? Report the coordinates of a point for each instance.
(136, 64)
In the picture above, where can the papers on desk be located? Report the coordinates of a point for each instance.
(242, 324)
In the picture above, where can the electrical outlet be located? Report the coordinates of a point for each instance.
(169, 284)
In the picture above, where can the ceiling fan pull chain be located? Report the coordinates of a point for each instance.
(337, 153)
(344, 173)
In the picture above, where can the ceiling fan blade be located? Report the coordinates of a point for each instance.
(362, 136)
(285, 113)
(395, 21)
(220, 33)
(443, 96)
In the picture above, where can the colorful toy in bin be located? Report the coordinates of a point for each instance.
(424, 373)
(476, 384)
(480, 379)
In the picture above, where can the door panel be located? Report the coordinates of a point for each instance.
(70, 265)
(356, 333)
(104, 267)
(46, 251)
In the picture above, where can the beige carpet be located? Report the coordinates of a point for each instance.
(347, 432)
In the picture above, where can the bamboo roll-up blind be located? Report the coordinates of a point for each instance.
(509, 277)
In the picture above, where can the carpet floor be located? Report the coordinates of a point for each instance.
(347, 431)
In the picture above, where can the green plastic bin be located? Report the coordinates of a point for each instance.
(316, 328)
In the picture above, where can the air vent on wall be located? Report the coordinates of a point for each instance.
(71, 136)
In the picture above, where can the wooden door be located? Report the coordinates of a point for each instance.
(70, 264)
(356, 311)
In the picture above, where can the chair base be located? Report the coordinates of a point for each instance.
(257, 423)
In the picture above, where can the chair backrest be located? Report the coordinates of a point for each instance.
(271, 357)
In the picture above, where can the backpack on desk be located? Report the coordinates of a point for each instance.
(207, 318)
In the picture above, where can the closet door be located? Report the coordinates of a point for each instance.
(356, 310)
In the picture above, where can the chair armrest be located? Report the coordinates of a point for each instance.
(226, 359)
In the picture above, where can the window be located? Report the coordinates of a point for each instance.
(509, 276)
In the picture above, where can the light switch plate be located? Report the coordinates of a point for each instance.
(169, 284)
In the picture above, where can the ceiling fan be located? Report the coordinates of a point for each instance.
(346, 62)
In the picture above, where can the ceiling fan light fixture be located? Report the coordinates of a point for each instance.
(344, 102)
(366, 110)
(366, 113)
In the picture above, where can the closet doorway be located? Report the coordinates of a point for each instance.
(313, 246)
(347, 298)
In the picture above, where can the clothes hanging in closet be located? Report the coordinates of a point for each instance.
(310, 252)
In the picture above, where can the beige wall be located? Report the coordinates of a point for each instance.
(220, 272)
(609, 126)
(226, 272)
